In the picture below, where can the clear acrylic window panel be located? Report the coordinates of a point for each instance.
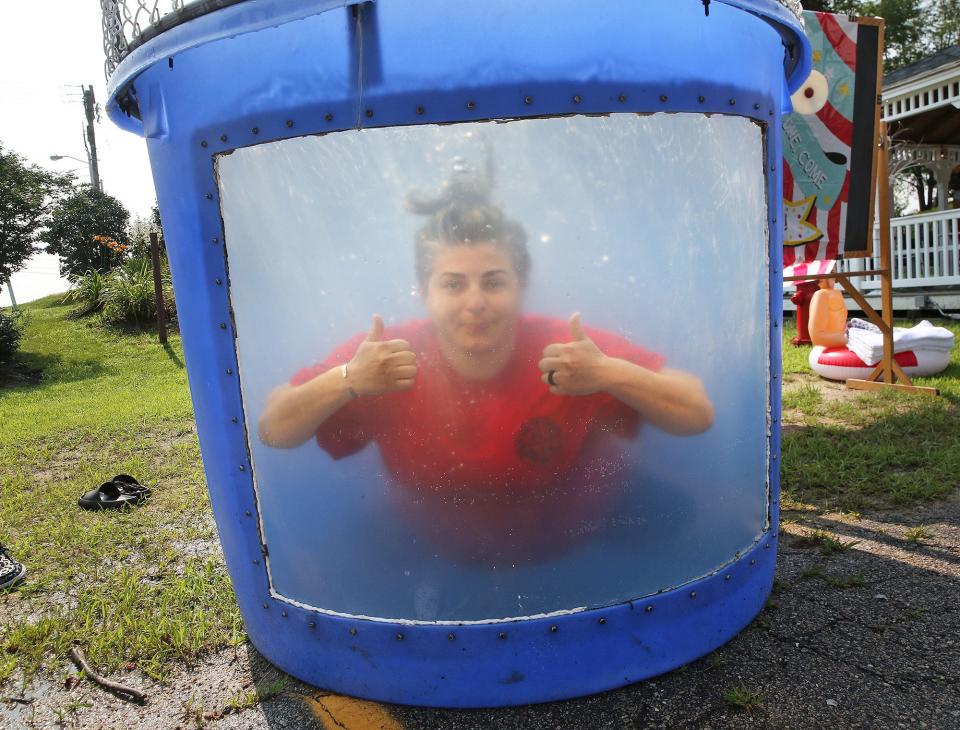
(652, 226)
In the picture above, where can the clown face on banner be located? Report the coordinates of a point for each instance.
(828, 146)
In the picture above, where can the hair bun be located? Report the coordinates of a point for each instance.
(466, 184)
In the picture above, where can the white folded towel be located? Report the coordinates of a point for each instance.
(865, 340)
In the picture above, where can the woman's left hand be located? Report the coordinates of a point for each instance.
(574, 368)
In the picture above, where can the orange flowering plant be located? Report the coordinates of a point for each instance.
(109, 243)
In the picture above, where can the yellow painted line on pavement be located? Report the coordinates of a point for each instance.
(337, 712)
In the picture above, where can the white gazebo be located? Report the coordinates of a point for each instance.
(921, 105)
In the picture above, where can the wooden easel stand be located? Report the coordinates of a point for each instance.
(887, 368)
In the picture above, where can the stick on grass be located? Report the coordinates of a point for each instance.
(76, 653)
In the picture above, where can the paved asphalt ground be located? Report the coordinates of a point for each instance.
(866, 637)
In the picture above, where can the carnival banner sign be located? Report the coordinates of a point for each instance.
(829, 146)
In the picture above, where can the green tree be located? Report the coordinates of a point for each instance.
(908, 33)
(139, 234)
(27, 196)
(88, 230)
(946, 24)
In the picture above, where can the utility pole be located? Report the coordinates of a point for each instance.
(89, 106)
(13, 299)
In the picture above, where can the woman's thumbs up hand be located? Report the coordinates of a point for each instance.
(381, 366)
(576, 367)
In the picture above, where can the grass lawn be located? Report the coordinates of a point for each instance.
(148, 587)
(856, 450)
(144, 587)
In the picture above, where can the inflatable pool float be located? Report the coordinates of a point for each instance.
(840, 363)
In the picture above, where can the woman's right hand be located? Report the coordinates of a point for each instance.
(381, 366)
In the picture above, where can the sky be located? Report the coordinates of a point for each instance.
(47, 51)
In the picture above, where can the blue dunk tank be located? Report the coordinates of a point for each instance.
(480, 304)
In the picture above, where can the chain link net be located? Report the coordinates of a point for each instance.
(126, 21)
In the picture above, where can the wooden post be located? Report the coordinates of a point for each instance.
(886, 277)
(887, 368)
(158, 288)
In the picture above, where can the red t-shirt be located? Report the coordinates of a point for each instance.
(500, 467)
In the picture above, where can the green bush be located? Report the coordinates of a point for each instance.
(129, 297)
(124, 295)
(89, 291)
(10, 334)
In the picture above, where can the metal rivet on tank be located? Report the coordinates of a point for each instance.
(223, 325)
(733, 102)
(369, 113)
(773, 167)
(663, 97)
(450, 636)
(771, 112)
(229, 371)
(502, 635)
(248, 513)
(353, 631)
(420, 110)
(218, 282)
(399, 637)
(774, 456)
(773, 219)
(283, 614)
(528, 100)
(766, 546)
(214, 240)
(753, 562)
(266, 605)
(602, 620)
(756, 106)
(223, 138)
(203, 143)
(243, 468)
(776, 324)
(727, 576)
(209, 196)
(649, 609)
(234, 420)
(577, 99)
(311, 624)
(256, 562)
(289, 123)
(471, 104)
(328, 117)
(554, 629)
(701, 99)
(255, 130)
(622, 98)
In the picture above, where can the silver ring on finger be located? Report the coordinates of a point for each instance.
(550, 378)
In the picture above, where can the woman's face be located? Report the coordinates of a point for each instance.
(474, 296)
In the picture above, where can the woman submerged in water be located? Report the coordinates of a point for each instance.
(503, 432)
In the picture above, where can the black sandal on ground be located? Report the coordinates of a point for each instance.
(131, 485)
(11, 572)
(113, 495)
